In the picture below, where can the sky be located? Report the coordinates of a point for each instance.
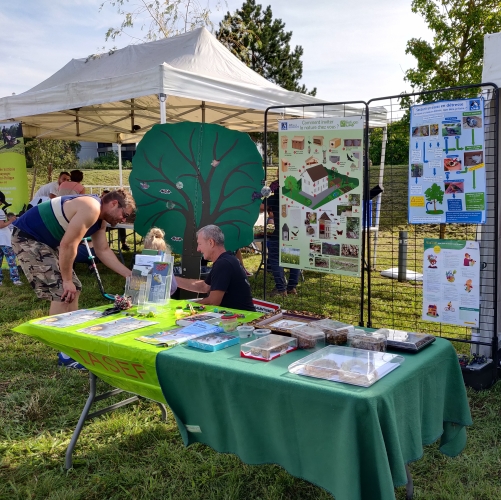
(353, 50)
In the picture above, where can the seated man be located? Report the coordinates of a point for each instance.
(227, 283)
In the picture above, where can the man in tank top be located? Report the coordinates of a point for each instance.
(46, 240)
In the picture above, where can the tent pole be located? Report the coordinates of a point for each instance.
(203, 111)
(119, 144)
(162, 98)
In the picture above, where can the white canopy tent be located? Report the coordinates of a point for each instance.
(115, 97)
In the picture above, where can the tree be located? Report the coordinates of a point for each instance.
(262, 43)
(47, 155)
(188, 175)
(433, 194)
(158, 18)
(397, 145)
(455, 57)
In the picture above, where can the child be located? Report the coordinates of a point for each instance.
(6, 247)
(154, 240)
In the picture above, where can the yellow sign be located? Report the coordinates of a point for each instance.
(417, 201)
(476, 167)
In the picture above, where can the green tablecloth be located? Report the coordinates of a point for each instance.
(120, 361)
(352, 441)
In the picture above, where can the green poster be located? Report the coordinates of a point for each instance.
(13, 177)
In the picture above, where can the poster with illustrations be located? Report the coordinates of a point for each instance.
(321, 186)
(451, 282)
(447, 163)
(117, 327)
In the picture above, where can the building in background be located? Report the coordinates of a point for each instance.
(92, 150)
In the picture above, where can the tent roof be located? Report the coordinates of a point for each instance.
(114, 97)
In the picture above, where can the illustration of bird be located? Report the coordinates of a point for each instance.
(349, 157)
(165, 191)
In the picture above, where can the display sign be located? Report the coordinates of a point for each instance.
(321, 186)
(451, 282)
(447, 163)
(13, 177)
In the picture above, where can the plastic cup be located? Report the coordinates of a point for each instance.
(261, 332)
(245, 331)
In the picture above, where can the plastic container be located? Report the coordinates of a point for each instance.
(336, 332)
(347, 365)
(268, 347)
(262, 332)
(229, 322)
(245, 331)
(213, 342)
(309, 337)
(367, 341)
(406, 341)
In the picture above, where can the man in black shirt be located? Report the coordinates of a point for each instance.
(227, 283)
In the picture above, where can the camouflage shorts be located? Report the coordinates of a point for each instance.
(40, 264)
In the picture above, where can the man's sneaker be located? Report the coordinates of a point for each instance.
(292, 291)
(125, 247)
(69, 362)
(17, 283)
(275, 293)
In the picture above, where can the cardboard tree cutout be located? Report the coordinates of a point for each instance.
(188, 175)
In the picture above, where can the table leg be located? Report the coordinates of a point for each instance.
(68, 462)
(409, 487)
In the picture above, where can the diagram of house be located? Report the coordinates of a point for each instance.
(315, 180)
(324, 227)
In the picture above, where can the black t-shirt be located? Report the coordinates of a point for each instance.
(228, 276)
(273, 204)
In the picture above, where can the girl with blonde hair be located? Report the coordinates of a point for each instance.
(154, 240)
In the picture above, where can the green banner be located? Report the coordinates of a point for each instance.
(13, 177)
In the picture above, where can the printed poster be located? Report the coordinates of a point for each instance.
(117, 327)
(321, 187)
(447, 163)
(13, 176)
(70, 318)
(451, 282)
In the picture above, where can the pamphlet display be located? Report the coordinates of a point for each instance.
(447, 163)
(451, 282)
(321, 187)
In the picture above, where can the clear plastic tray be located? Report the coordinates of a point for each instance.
(413, 343)
(269, 347)
(336, 332)
(309, 336)
(347, 365)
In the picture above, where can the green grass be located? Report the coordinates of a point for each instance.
(130, 453)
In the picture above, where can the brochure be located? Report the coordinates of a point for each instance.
(117, 327)
(180, 335)
(70, 318)
(209, 317)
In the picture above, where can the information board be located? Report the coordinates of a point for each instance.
(447, 163)
(321, 186)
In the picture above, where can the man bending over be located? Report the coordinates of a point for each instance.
(63, 222)
(227, 283)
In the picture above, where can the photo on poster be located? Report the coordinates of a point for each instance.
(354, 199)
(12, 140)
(434, 129)
(421, 131)
(417, 170)
(470, 122)
(290, 255)
(331, 249)
(473, 158)
(451, 129)
(349, 250)
(454, 187)
(316, 247)
(452, 164)
(352, 228)
(322, 262)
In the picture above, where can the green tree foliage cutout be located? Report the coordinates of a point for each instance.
(262, 43)
(456, 54)
(434, 194)
(188, 175)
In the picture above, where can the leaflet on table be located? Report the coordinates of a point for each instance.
(451, 282)
(447, 163)
(180, 335)
(321, 186)
(161, 276)
(70, 318)
(117, 327)
(209, 317)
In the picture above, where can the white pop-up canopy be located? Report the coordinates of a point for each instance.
(491, 72)
(119, 96)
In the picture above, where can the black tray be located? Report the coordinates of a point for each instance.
(415, 342)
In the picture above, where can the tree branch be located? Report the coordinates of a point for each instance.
(192, 161)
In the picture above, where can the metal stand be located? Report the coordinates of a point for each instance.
(409, 487)
(68, 462)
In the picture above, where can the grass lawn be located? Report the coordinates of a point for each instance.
(130, 453)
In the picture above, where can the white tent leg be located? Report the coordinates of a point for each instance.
(120, 164)
(162, 98)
